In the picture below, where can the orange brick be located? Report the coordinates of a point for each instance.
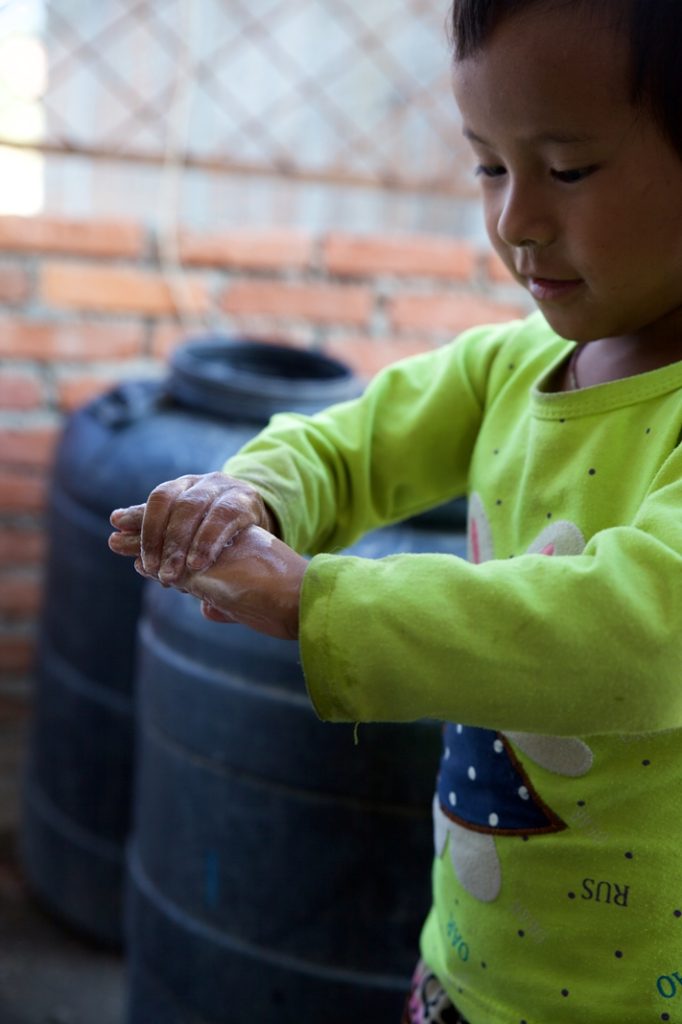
(15, 285)
(167, 336)
(83, 342)
(31, 447)
(73, 392)
(289, 335)
(272, 249)
(21, 546)
(22, 492)
(81, 237)
(413, 255)
(317, 303)
(448, 313)
(15, 708)
(64, 341)
(19, 391)
(495, 270)
(16, 658)
(116, 290)
(20, 594)
(366, 356)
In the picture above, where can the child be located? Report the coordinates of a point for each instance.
(555, 652)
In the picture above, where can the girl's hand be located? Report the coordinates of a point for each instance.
(186, 523)
(256, 581)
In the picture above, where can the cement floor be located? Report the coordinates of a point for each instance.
(47, 974)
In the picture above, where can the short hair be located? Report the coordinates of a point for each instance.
(653, 29)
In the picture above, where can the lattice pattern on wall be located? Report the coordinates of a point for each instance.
(338, 90)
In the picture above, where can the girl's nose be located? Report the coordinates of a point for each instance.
(523, 219)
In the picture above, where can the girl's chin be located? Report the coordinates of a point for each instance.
(570, 326)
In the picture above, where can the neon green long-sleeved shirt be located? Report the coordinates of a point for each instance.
(555, 653)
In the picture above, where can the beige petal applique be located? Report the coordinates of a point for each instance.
(564, 755)
(473, 855)
(561, 538)
(479, 536)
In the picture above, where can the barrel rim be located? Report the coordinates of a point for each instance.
(216, 363)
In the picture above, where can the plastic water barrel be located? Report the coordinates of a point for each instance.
(77, 792)
(278, 870)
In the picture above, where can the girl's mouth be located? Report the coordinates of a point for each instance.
(544, 289)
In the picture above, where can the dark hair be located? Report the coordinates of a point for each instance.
(653, 29)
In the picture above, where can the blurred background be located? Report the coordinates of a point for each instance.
(309, 114)
(283, 170)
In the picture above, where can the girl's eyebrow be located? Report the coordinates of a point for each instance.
(555, 138)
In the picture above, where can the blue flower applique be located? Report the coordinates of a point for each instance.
(484, 793)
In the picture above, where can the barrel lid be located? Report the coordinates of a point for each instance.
(252, 380)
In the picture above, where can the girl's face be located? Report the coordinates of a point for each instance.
(582, 193)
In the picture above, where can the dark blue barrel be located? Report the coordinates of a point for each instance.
(278, 870)
(77, 794)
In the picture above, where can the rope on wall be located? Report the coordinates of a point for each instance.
(169, 207)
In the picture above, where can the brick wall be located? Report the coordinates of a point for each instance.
(83, 304)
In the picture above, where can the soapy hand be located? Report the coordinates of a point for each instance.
(255, 581)
(185, 523)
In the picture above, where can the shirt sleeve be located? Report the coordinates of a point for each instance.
(572, 645)
(403, 447)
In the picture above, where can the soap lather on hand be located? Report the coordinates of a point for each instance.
(213, 536)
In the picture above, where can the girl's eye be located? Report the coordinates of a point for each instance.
(489, 171)
(572, 176)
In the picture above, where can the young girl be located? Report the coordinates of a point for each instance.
(555, 652)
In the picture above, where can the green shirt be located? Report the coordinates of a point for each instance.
(557, 878)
